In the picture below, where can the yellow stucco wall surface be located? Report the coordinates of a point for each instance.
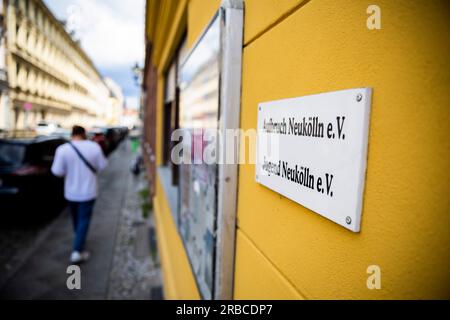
(324, 46)
(257, 278)
(262, 14)
(200, 13)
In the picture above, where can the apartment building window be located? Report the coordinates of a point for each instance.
(35, 14)
(169, 171)
(38, 18)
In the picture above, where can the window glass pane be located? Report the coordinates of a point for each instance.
(170, 84)
(199, 109)
(183, 53)
(199, 83)
(11, 154)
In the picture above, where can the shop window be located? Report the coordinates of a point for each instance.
(209, 82)
(202, 96)
(169, 171)
(199, 111)
(170, 105)
(171, 111)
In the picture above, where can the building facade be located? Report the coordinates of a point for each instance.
(221, 234)
(50, 77)
(115, 107)
(4, 88)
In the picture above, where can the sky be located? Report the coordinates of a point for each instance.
(112, 34)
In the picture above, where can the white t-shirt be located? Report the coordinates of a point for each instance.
(80, 183)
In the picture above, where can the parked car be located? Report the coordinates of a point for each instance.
(46, 128)
(112, 136)
(124, 131)
(61, 133)
(98, 135)
(28, 190)
(135, 132)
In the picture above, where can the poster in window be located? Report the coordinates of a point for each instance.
(199, 111)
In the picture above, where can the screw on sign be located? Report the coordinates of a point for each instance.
(348, 220)
(359, 97)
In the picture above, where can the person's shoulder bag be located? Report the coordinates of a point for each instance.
(80, 155)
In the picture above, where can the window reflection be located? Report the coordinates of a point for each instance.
(199, 110)
(199, 82)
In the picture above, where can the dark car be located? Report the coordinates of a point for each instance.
(98, 136)
(113, 137)
(28, 190)
(108, 137)
(123, 132)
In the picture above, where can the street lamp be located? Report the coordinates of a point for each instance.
(137, 71)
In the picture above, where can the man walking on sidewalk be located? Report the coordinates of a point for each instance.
(78, 162)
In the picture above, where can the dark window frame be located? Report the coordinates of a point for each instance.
(171, 112)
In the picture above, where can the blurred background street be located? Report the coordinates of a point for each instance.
(66, 63)
(124, 263)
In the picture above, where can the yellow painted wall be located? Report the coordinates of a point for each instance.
(200, 13)
(299, 47)
(260, 15)
(324, 45)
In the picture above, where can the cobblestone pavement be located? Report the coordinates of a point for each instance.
(121, 266)
(135, 271)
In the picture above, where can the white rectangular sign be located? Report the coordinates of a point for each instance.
(313, 150)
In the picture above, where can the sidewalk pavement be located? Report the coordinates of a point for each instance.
(121, 266)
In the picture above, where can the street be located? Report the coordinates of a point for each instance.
(124, 263)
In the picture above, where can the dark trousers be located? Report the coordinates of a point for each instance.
(81, 218)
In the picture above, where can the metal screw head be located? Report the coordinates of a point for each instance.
(359, 97)
(348, 220)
